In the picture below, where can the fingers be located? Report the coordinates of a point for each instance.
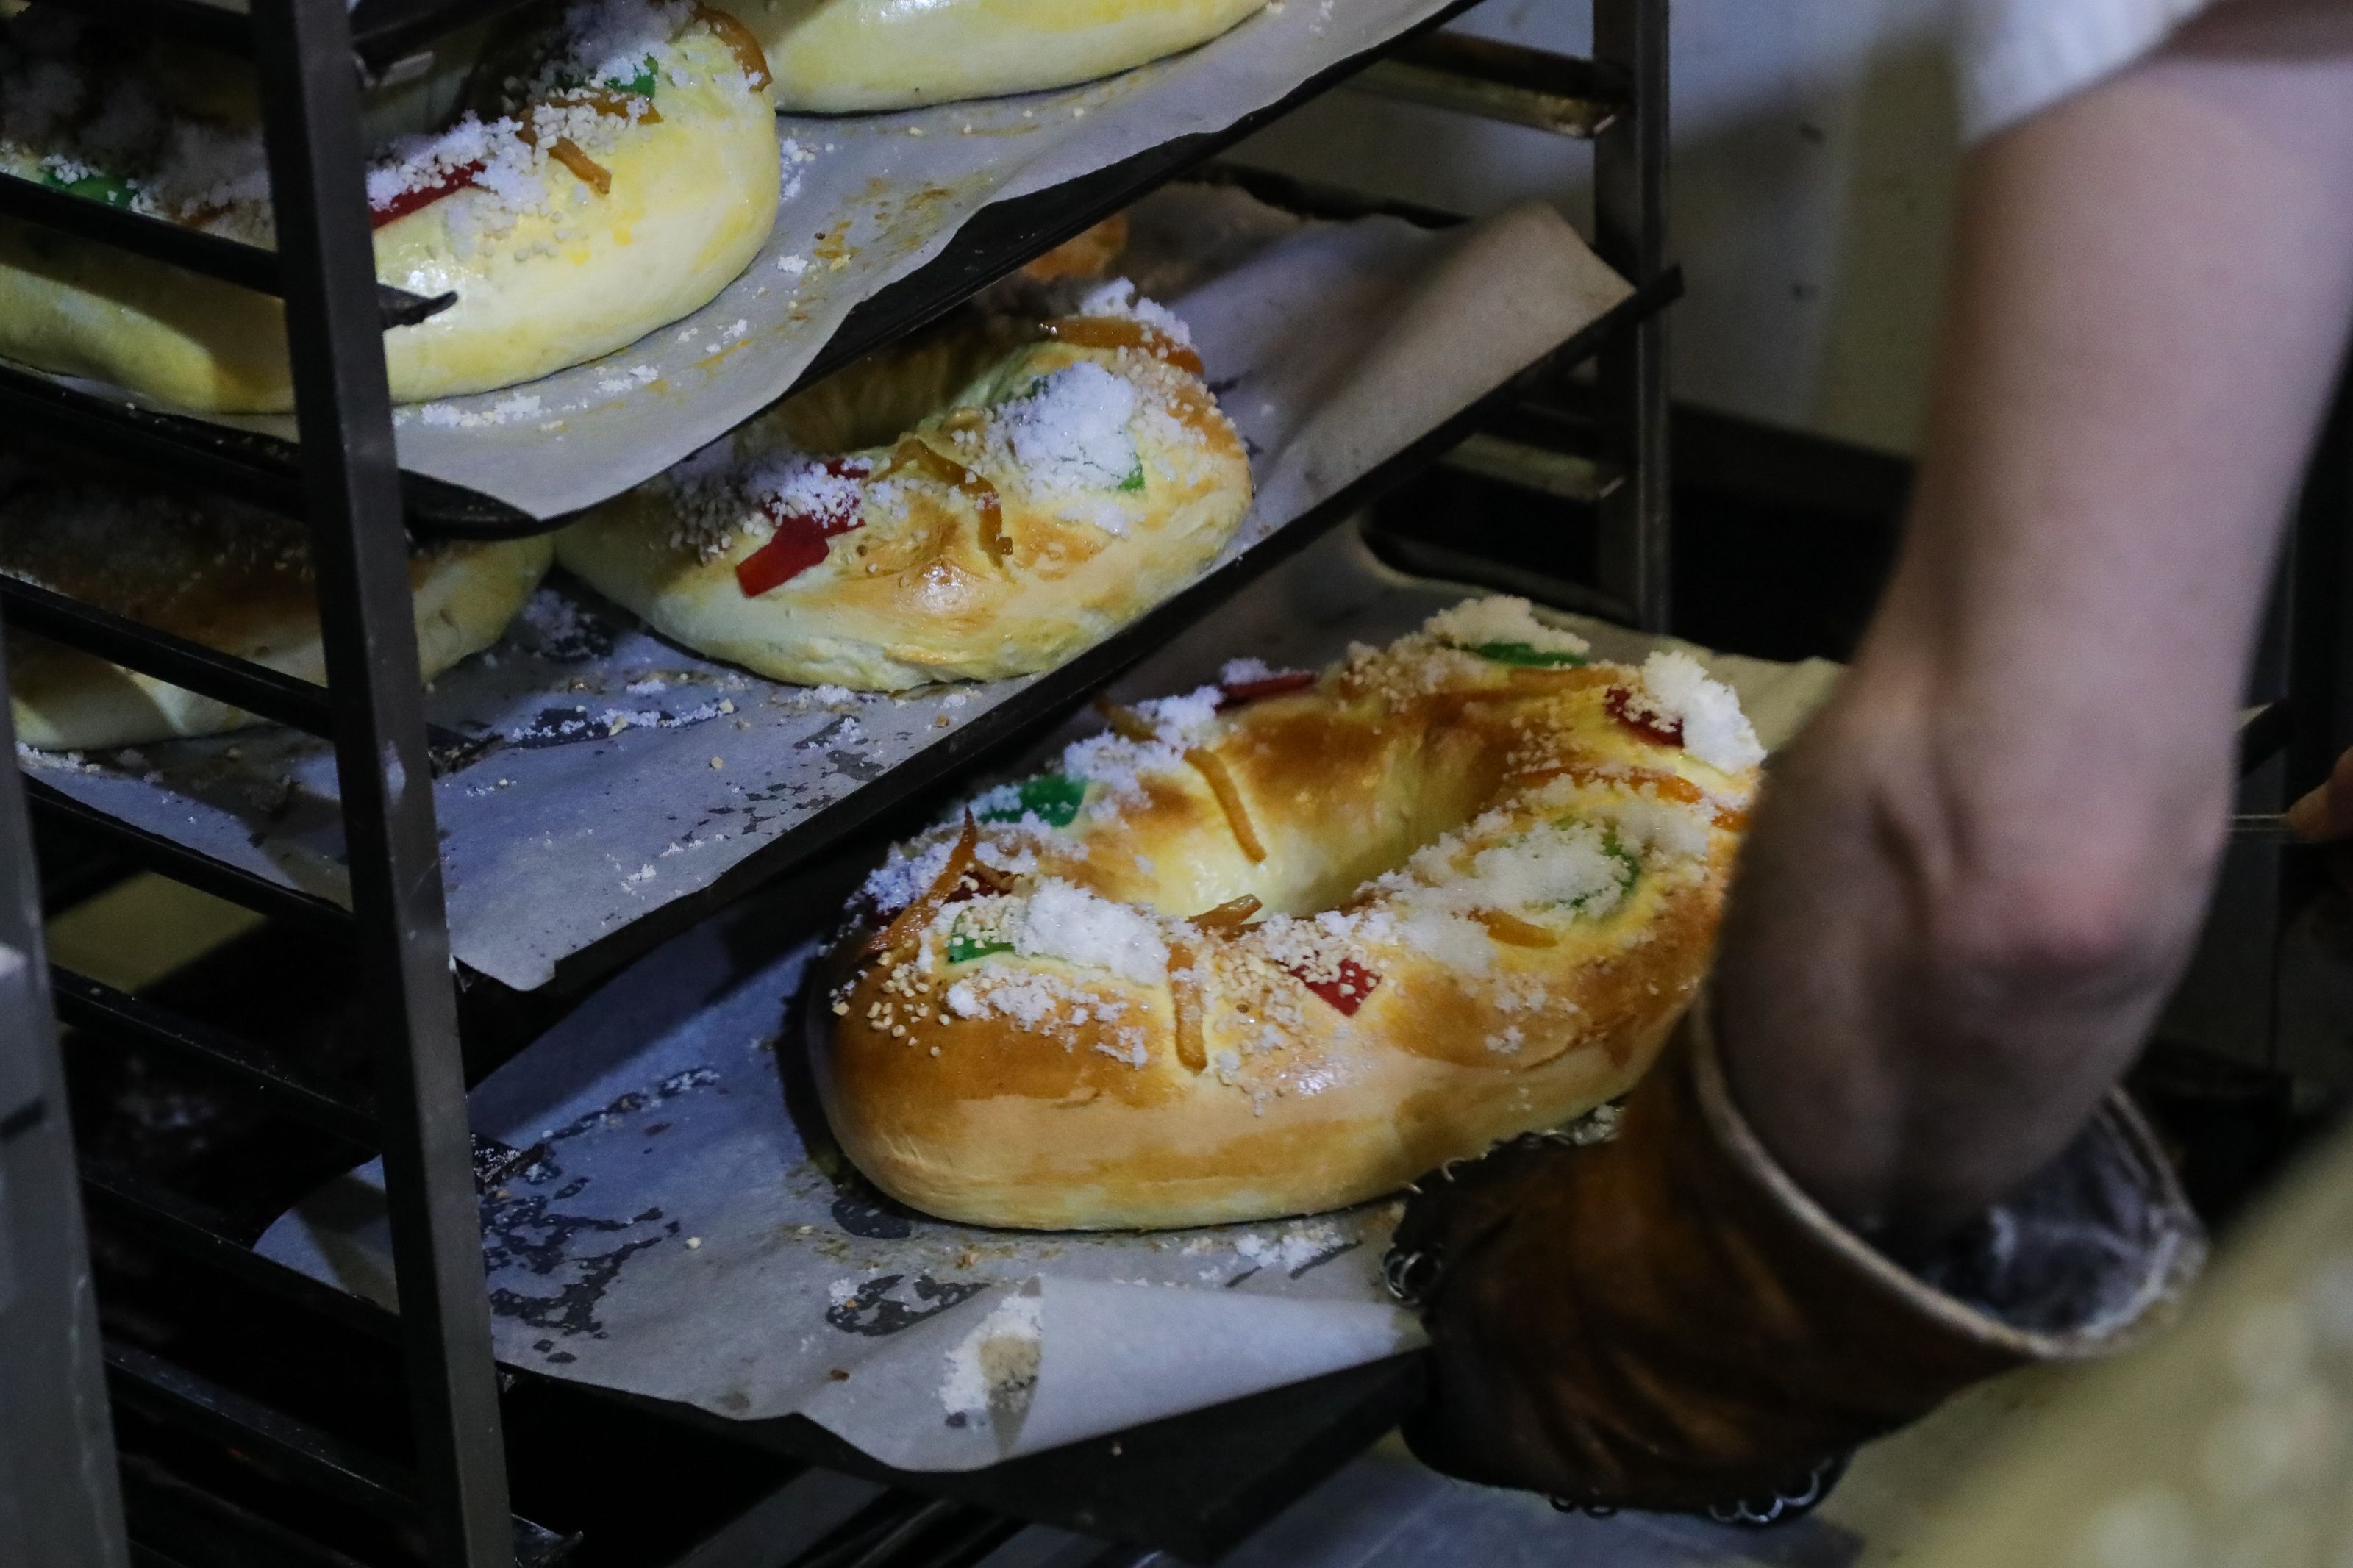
(2326, 813)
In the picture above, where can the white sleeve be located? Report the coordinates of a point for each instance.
(2020, 55)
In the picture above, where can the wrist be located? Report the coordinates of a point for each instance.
(1940, 953)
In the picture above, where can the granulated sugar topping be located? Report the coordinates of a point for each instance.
(903, 878)
(1715, 729)
(1591, 828)
(1476, 623)
(612, 41)
(1242, 671)
(1182, 720)
(994, 1369)
(95, 123)
(1075, 926)
(1071, 434)
(1119, 297)
(1657, 828)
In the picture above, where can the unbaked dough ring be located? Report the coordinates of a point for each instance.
(1232, 962)
(838, 56)
(993, 523)
(543, 282)
(218, 574)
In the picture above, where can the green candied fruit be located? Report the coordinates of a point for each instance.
(104, 188)
(1135, 481)
(963, 949)
(1626, 858)
(648, 76)
(1528, 655)
(1630, 864)
(1053, 797)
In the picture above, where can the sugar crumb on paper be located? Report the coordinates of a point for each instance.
(993, 1371)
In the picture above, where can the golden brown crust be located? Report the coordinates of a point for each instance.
(969, 560)
(1422, 800)
(1087, 254)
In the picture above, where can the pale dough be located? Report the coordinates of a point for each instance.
(837, 56)
(693, 198)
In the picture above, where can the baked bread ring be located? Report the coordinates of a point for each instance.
(220, 575)
(1285, 943)
(624, 175)
(838, 56)
(956, 526)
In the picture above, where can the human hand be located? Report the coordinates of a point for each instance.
(1659, 1322)
(1598, 1338)
(2325, 813)
(2324, 816)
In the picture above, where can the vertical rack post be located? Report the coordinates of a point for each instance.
(1629, 187)
(2310, 672)
(2317, 685)
(310, 92)
(58, 1504)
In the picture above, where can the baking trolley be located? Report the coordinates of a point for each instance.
(170, 1396)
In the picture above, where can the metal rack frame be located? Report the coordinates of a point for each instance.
(58, 1498)
(344, 479)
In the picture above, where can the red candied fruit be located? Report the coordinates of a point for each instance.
(1234, 693)
(422, 196)
(1347, 990)
(1638, 715)
(801, 538)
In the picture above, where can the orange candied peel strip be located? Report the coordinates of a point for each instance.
(1126, 721)
(1231, 915)
(1130, 725)
(1514, 931)
(1212, 768)
(912, 452)
(1184, 998)
(1184, 981)
(1122, 332)
(964, 861)
(1656, 780)
(586, 169)
(741, 41)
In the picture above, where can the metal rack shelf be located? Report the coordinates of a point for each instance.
(263, 470)
(1151, 1485)
(246, 466)
(383, 32)
(1194, 1484)
(450, 1491)
(232, 261)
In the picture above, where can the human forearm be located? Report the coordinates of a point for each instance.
(1974, 879)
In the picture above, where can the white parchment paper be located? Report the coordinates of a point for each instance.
(685, 1234)
(867, 199)
(627, 772)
